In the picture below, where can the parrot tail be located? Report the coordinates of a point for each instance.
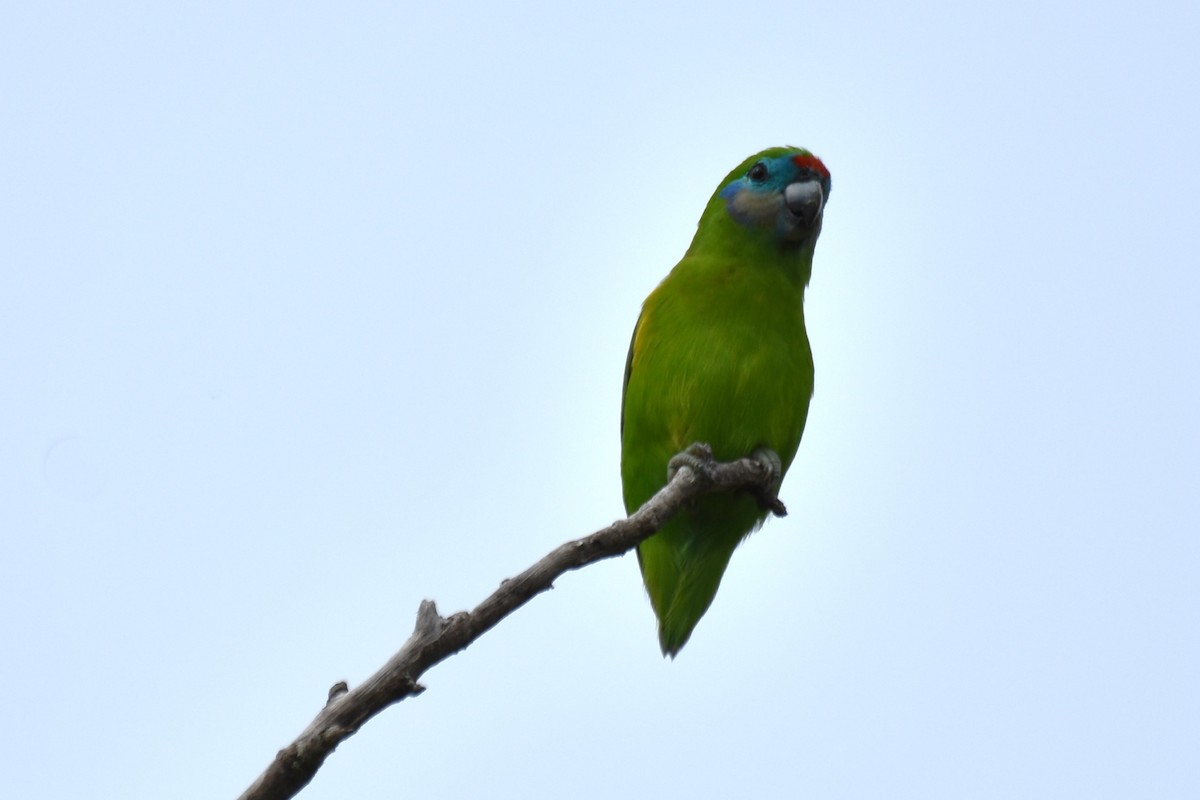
(682, 584)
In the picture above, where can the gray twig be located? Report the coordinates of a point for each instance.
(436, 638)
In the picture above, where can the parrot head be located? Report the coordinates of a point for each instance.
(768, 210)
(781, 191)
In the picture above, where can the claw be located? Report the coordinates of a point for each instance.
(768, 500)
(771, 461)
(698, 456)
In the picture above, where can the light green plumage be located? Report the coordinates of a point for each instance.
(719, 355)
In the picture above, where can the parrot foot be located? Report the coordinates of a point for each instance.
(768, 499)
(698, 456)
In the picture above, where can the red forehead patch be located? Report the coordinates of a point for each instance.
(810, 162)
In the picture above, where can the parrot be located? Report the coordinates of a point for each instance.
(720, 367)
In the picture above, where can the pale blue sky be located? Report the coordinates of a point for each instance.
(312, 311)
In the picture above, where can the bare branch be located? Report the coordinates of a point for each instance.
(436, 638)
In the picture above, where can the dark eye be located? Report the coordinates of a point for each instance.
(758, 173)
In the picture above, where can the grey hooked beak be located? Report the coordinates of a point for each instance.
(805, 199)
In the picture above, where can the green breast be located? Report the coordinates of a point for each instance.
(720, 356)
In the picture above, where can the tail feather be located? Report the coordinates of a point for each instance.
(682, 582)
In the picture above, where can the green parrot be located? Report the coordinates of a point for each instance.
(720, 357)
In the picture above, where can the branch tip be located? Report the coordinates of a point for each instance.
(429, 621)
(336, 691)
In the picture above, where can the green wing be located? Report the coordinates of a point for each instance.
(628, 370)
